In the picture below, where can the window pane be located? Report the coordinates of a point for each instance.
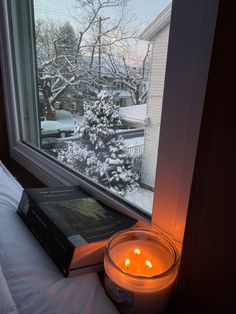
(99, 73)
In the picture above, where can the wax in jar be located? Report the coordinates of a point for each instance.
(139, 257)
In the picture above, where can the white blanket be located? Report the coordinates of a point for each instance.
(30, 283)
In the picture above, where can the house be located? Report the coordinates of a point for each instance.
(207, 276)
(156, 32)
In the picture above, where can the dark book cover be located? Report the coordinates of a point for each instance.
(71, 225)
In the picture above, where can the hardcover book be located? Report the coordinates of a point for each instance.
(71, 225)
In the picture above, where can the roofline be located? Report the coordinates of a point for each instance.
(157, 24)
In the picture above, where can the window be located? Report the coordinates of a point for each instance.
(56, 70)
(93, 102)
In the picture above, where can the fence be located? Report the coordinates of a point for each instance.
(137, 153)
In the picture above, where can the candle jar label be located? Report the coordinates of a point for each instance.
(122, 298)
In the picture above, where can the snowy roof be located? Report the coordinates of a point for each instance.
(105, 65)
(134, 114)
(157, 24)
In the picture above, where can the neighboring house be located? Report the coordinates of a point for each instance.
(122, 97)
(118, 89)
(156, 32)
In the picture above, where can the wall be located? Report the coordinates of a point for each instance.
(155, 96)
(207, 280)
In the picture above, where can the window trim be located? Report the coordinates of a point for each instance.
(174, 181)
(183, 104)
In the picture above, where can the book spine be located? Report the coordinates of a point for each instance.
(50, 237)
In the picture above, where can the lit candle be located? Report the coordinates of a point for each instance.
(141, 268)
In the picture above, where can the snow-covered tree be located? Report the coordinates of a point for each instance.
(101, 118)
(66, 58)
(101, 153)
(134, 78)
(117, 170)
(74, 156)
(55, 73)
(66, 40)
(110, 163)
(71, 56)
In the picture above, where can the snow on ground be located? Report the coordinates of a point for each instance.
(142, 198)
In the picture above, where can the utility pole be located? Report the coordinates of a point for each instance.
(99, 52)
(100, 20)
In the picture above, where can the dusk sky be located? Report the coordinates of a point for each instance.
(144, 12)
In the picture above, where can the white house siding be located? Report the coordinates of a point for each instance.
(154, 108)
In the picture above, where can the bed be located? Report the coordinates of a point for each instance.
(29, 281)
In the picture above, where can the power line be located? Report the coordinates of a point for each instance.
(51, 12)
(40, 7)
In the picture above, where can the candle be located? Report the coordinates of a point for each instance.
(140, 271)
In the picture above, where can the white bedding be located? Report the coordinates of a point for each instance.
(29, 281)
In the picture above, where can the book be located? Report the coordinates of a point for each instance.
(71, 225)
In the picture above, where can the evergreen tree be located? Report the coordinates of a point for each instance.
(66, 41)
(110, 163)
(101, 119)
(74, 156)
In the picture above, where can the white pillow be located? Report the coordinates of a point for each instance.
(10, 189)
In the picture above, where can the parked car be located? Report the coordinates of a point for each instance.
(55, 129)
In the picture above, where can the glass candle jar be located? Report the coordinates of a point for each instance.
(140, 271)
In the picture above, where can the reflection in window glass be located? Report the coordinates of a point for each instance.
(100, 78)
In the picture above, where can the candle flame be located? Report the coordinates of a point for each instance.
(148, 263)
(137, 251)
(127, 262)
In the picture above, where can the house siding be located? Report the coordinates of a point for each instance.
(154, 108)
